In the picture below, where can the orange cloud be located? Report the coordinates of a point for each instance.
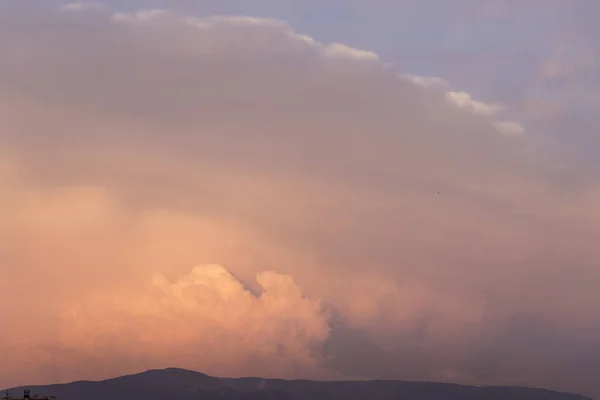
(400, 227)
(206, 320)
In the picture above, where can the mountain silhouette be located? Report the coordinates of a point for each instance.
(175, 383)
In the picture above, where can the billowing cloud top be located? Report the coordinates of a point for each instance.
(228, 195)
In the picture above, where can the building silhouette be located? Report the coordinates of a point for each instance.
(27, 396)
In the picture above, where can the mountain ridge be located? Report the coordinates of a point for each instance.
(178, 383)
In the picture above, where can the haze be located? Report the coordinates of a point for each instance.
(336, 190)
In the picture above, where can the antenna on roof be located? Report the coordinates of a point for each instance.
(6, 395)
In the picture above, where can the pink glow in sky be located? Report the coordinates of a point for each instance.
(229, 195)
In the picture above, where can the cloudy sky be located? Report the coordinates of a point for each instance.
(324, 189)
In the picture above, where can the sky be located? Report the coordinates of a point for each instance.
(330, 190)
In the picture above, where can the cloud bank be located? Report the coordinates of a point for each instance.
(228, 195)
